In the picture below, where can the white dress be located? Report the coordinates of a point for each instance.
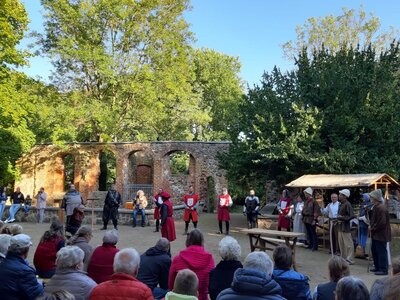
(298, 225)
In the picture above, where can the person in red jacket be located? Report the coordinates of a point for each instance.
(167, 219)
(191, 202)
(194, 258)
(100, 267)
(123, 283)
(224, 202)
(157, 204)
(284, 206)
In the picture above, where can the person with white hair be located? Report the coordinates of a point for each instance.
(345, 214)
(4, 244)
(351, 288)
(222, 275)
(17, 278)
(69, 275)
(254, 280)
(123, 283)
(185, 286)
(310, 213)
(100, 267)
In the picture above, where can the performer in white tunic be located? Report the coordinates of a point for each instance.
(298, 225)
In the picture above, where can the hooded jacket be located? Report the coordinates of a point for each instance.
(199, 261)
(294, 284)
(252, 284)
(175, 296)
(154, 268)
(221, 277)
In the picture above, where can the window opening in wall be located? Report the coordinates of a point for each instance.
(108, 172)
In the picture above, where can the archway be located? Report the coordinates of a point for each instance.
(69, 170)
(108, 166)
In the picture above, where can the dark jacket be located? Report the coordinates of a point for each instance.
(113, 199)
(18, 280)
(380, 225)
(252, 284)
(154, 268)
(345, 214)
(294, 285)
(17, 198)
(311, 211)
(221, 276)
(326, 291)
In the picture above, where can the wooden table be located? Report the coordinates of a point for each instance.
(258, 240)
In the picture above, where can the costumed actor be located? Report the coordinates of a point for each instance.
(157, 204)
(225, 201)
(110, 209)
(191, 202)
(250, 209)
(167, 219)
(284, 211)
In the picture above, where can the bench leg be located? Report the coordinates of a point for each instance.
(294, 253)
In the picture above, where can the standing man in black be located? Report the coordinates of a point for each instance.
(110, 210)
(250, 209)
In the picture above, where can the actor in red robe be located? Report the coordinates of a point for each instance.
(224, 202)
(191, 201)
(284, 209)
(167, 219)
(157, 204)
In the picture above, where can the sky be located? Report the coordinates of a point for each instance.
(252, 30)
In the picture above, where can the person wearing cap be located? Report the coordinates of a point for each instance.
(380, 233)
(167, 219)
(345, 215)
(311, 211)
(17, 278)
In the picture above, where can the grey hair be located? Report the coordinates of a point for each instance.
(16, 229)
(4, 243)
(260, 261)
(111, 237)
(186, 283)
(69, 256)
(127, 261)
(163, 244)
(351, 288)
(229, 249)
(59, 295)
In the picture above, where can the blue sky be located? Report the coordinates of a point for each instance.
(252, 30)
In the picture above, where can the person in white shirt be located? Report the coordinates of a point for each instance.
(331, 211)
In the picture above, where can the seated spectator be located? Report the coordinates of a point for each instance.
(16, 229)
(100, 267)
(351, 288)
(46, 252)
(123, 283)
(81, 239)
(5, 230)
(391, 288)
(75, 221)
(69, 275)
(294, 284)
(154, 268)
(338, 268)
(4, 244)
(185, 286)
(59, 295)
(17, 278)
(254, 280)
(222, 275)
(27, 204)
(380, 286)
(194, 258)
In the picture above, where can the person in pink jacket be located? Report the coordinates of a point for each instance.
(195, 258)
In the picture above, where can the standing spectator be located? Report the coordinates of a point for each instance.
(69, 275)
(191, 202)
(254, 281)
(351, 288)
(185, 286)
(380, 233)
(4, 244)
(81, 239)
(294, 285)
(224, 202)
(380, 289)
(195, 258)
(140, 206)
(338, 268)
(27, 204)
(167, 219)
(154, 268)
(100, 267)
(41, 198)
(284, 209)
(222, 275)
(331, 211)
(18, 279)
(345, 239)
(311, 211)
(157, 202)
(110, 209)
(250, 209)
(46, 252)
(123, 283)
(3, 199)
(298, 225)
(17, 198)
(71, 200)
(363, 220)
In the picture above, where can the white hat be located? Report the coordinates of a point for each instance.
(308, 191)
(21, 241)
(345, 192)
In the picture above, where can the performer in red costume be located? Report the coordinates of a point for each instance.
(284, 211)
(157, 204)
(191, 202)
(224, 202)
(167, 219)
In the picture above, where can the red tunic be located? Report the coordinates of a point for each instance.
(168, 228)
(223, 207)
(156, 208)
(190, 201)
(284, 205)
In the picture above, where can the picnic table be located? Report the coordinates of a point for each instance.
(259, 238)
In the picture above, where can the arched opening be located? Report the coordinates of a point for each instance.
(69, 170)
(108, 166)
(179, 163)
(211, 196)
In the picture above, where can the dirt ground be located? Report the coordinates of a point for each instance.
(313, 264)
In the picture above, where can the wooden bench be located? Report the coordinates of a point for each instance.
(279, 241)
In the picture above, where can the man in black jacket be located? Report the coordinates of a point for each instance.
(110, 209)
(154, 268)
